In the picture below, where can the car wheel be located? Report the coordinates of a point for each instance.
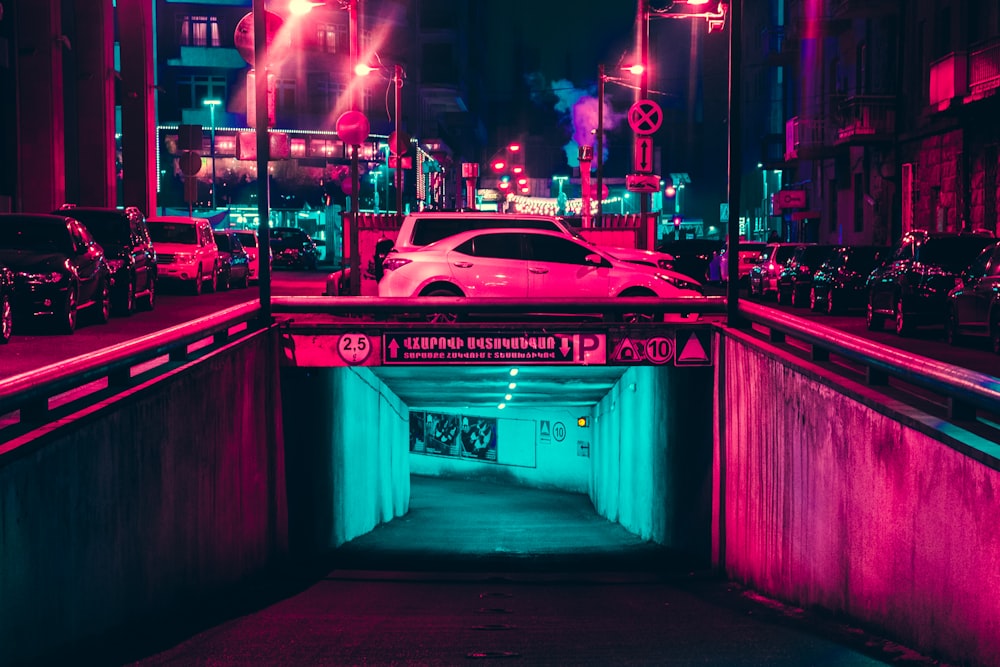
(781, 296)
(213, 283)
(199, 282)
(6, 319)
(126, 304)
(995, 333)
(102, 305)
(813, 302)
(150, 301)
(226, 282)
(798, 298)
(243, 284)
(903, 326)
(873, 321)
(951, 331)
(441, 318)
(70, 314)
(633, 318)
(831, 303)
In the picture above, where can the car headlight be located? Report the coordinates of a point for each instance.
(183, 257)
(51, 277)
(680, 283)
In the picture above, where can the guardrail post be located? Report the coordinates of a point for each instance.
(34, 412)
(959, 410)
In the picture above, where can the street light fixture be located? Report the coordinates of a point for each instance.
(211, 104)
(397, 76)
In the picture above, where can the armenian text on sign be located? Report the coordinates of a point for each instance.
(499, 347)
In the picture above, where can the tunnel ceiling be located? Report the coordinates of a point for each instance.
(483, 387)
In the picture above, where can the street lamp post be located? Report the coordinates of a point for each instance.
(211, 104)
(263, 155)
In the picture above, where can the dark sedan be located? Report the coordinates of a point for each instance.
(6, 304)
(974, 304)
(912, 286)
(839, 284)
(234, 261)
(293, 248)
(796, 276)
(128, 249)
(59, 268)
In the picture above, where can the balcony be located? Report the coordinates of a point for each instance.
(808, 139)
(866, 119)
(949, 80)
(984, 70)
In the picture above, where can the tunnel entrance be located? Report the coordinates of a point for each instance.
(531, 464)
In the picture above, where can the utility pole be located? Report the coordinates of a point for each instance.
(353, 234)
(643, 42)
(263, 155)
(600, 145)
(397, 79)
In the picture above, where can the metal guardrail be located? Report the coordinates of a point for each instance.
(608, 307)
(964, 390)
(31, 393)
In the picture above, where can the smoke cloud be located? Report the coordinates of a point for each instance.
(579, 109)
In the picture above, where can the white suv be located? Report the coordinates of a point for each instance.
(185, 251)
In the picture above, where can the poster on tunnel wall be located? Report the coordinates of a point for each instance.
(455, 435)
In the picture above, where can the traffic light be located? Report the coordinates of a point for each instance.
(677, 222)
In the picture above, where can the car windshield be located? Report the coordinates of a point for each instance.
(953, 253)
(862, 259)
(35, 236)
(287, 234)
(172, 232)
(222, 240)
(813, 254)
(247, 239)
(784, 253)
(107, 227)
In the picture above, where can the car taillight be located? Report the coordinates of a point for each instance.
(393, 263)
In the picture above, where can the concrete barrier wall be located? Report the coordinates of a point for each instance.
(167, 494)
(652, 456)
(347, 447)
(835, 499)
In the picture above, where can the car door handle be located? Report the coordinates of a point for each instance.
(463, 265)
(537, 269)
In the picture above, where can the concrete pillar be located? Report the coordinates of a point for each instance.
(41, 160)
(91, 172)
(136, 30)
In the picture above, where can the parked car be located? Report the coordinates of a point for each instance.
(251, 243)
(974, 303)
(691, 257)
(911, 287)
(420, 229)
(795, 278)
(763, 278)
(128, 249)
(186, 251)
(6, 304)
(234, 262)
(839, 284)
(293, 248)
(59, 269)
(522, 263)
(748, 254)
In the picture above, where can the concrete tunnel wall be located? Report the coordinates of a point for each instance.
(164, 495)
(346, 452)
(651, 468)
(834, 497)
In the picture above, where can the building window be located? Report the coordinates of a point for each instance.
(285, 91)
(331, 37)
(191, 90)
(199, 30)
(322, 94)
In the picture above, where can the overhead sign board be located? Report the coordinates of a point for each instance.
(492, 347)
(642, 182)
(642, 154)
(645, 117)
